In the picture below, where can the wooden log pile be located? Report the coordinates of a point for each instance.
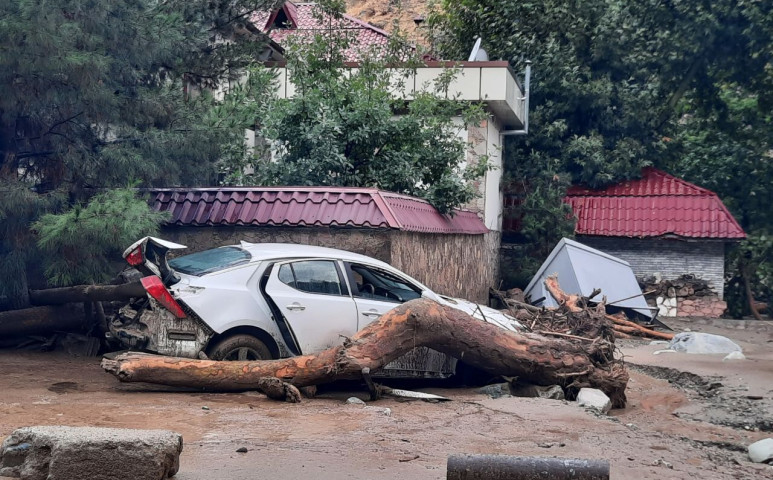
(576, 316)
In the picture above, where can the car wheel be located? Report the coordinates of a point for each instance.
(240, 347)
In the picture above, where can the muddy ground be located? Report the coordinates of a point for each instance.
(698, 423)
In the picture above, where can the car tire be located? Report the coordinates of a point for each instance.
(240, 347)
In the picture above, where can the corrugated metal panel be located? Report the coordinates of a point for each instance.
(309, 206)
(416, 215)
(658, 204)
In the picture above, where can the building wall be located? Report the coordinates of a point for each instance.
(456, 265)
(483, 141)
(671, 258)
(463, 266)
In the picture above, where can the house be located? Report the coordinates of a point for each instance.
(664, 227)
(453, 255)
(492, 83)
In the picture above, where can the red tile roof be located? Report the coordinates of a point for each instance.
(657, 204)
(301, 21)
(309, 206)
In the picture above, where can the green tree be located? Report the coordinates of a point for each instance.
(344, 127)
(610, 77)
(93, 97)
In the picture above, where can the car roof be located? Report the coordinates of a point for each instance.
(270, 251)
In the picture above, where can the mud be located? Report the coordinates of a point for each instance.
(669, 430)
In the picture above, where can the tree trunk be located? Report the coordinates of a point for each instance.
(422, 322)
(36, 320)
(86, 293)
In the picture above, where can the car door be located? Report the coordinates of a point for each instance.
(376, 291)
(314, 299)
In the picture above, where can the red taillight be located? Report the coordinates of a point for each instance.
(134, 257)
(156, 289)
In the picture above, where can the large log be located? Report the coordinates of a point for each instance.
(422, 322)
(86, 293)
(36, 320)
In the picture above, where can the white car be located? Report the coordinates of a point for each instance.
(267, 300)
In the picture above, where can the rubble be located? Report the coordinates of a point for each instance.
(686, 296)
(66, 453)
(594, 399)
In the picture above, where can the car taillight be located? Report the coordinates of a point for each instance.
(156, 289)
(134, 257)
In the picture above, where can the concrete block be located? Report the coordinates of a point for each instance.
(66, 453)
(594, 399)
(761, 451)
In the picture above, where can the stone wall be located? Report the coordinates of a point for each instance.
(670, 258)
(456, 265)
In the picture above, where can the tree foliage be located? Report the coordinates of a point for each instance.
(93, 97)
(345, 127)
(620, 85)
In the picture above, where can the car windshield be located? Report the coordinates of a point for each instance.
(210, 261)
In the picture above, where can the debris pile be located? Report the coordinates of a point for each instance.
(576, 317)
(686, 296)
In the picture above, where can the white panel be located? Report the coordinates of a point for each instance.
(493, 83)
(493, 194)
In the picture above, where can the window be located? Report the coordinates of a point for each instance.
(381, 285)
(210, 261)
(312, 276)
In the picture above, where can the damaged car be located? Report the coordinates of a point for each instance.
(261, 301)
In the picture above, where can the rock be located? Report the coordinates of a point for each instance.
(496, 390)
(762, 451)
(354, 401)
(386, 411)
(242, 450)
(703, 343)
(734, 356)
(65, 453)
(553, 392)
(594, 399)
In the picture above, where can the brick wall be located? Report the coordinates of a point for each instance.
(672, 258)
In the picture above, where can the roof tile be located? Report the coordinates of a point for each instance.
(655, 205)
(309, 206)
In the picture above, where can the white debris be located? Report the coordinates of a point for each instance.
(668, 350)
(354, 401)
(761, 451)
(696, 342)
(659, 342)
(594, 399)
(734, 356)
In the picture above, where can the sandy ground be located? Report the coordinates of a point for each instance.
(697, 425)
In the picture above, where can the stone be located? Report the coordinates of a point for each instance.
(703, 343)
(761, 451)
(734, 356)
(242, 450)
(354, 401)
(594, 399)
(65, 453)
(496, 390)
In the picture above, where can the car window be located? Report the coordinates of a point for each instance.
(312, 276)
(380, 285)
(209, 261)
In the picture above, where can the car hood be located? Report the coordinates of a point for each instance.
(482, 312)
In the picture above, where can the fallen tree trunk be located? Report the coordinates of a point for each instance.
(422, 322)
(86, 293)
(36, 320)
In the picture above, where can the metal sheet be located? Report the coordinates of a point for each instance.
(581, 269)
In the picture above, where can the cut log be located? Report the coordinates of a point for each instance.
(86, 293)
(422, 322)
(39, 320)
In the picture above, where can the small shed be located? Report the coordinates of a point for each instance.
(454, 255)
(666, 228)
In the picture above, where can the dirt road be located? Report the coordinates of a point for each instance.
(664, 433)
